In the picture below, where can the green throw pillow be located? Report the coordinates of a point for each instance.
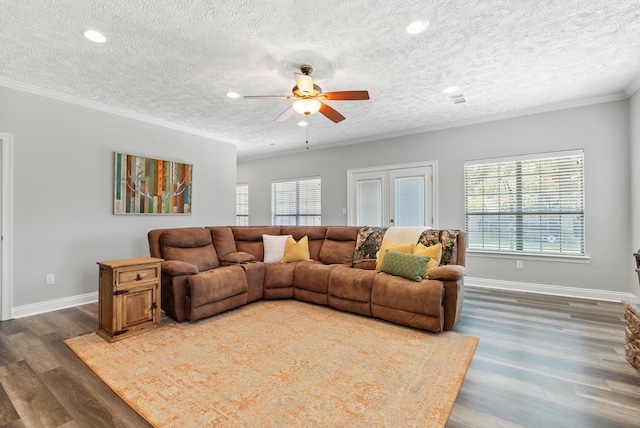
(408, 266)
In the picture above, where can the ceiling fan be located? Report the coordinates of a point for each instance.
(309, 97)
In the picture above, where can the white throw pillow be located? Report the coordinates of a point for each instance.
(274, 247)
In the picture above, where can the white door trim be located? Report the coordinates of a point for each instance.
(6, 228)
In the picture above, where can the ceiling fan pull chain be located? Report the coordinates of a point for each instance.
(307, 137)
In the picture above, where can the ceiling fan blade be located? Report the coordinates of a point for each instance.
(285, 114)
(330, 113)
(346, 95)
(268, 96)
(304, 83)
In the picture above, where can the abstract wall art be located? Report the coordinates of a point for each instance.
(151, 186)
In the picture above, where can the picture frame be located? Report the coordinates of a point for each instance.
(144, 185)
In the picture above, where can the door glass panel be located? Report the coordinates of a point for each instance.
(369, 202)
(409, 201)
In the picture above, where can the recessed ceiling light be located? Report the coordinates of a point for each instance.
(233, 95)
(95, 36)
(303, 123)
(417, 27)
(451, 90)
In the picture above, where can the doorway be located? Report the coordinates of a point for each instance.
(393, 195)
(6, 187)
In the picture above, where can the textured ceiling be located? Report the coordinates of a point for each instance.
(176, 60)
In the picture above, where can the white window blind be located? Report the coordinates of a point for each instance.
(529, 204)
(296, 202)
(369, 200)
(242, 205)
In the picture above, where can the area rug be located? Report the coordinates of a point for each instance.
(284, 363)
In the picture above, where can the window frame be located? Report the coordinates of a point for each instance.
(238, 205)
(528, 253)
(298, 214)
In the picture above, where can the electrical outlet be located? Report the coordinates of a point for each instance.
(519, 264)
(344, 211)
(51, 278)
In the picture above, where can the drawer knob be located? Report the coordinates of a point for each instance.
(138, 277)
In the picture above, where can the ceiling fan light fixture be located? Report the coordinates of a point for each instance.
(307, 107)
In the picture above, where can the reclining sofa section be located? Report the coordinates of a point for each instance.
(213, 269)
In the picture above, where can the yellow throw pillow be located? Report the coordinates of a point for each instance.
(296, 251)
(434, 252)
(388, 245)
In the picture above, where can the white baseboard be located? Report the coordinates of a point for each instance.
(53, 305)
(553, 290)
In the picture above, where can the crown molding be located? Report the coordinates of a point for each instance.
(633, 86)
(36, 90)
(456, 123)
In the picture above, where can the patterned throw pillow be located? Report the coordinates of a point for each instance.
(448, 239)
(408, 266)
(368, 242)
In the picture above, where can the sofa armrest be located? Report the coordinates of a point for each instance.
(177, 267)
(447, 273)
(366, 264)
(236, 258)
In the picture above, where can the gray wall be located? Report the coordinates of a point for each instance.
(63, 190)
(634, 114)
(602, 130)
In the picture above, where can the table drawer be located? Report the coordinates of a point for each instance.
(131, 276)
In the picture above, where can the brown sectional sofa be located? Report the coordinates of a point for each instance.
(213, 269)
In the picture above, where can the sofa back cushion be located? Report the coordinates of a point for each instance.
(223, 240)
(339, 243)
(189, 245)
(249, 238)
(315, 235)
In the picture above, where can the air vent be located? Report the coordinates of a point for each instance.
(458, 98)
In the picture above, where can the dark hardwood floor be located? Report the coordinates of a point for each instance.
(542, 361)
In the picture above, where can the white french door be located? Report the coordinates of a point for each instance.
(409, 195)
(395, 195)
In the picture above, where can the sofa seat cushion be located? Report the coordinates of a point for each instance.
(313, 276)
(279, 275)
(216, 284)
(351, 284)
(424, 297)
(311, 282)
(350, 289)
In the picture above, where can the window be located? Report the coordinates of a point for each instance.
(242, 205)
(296, 202)
(527, 204)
